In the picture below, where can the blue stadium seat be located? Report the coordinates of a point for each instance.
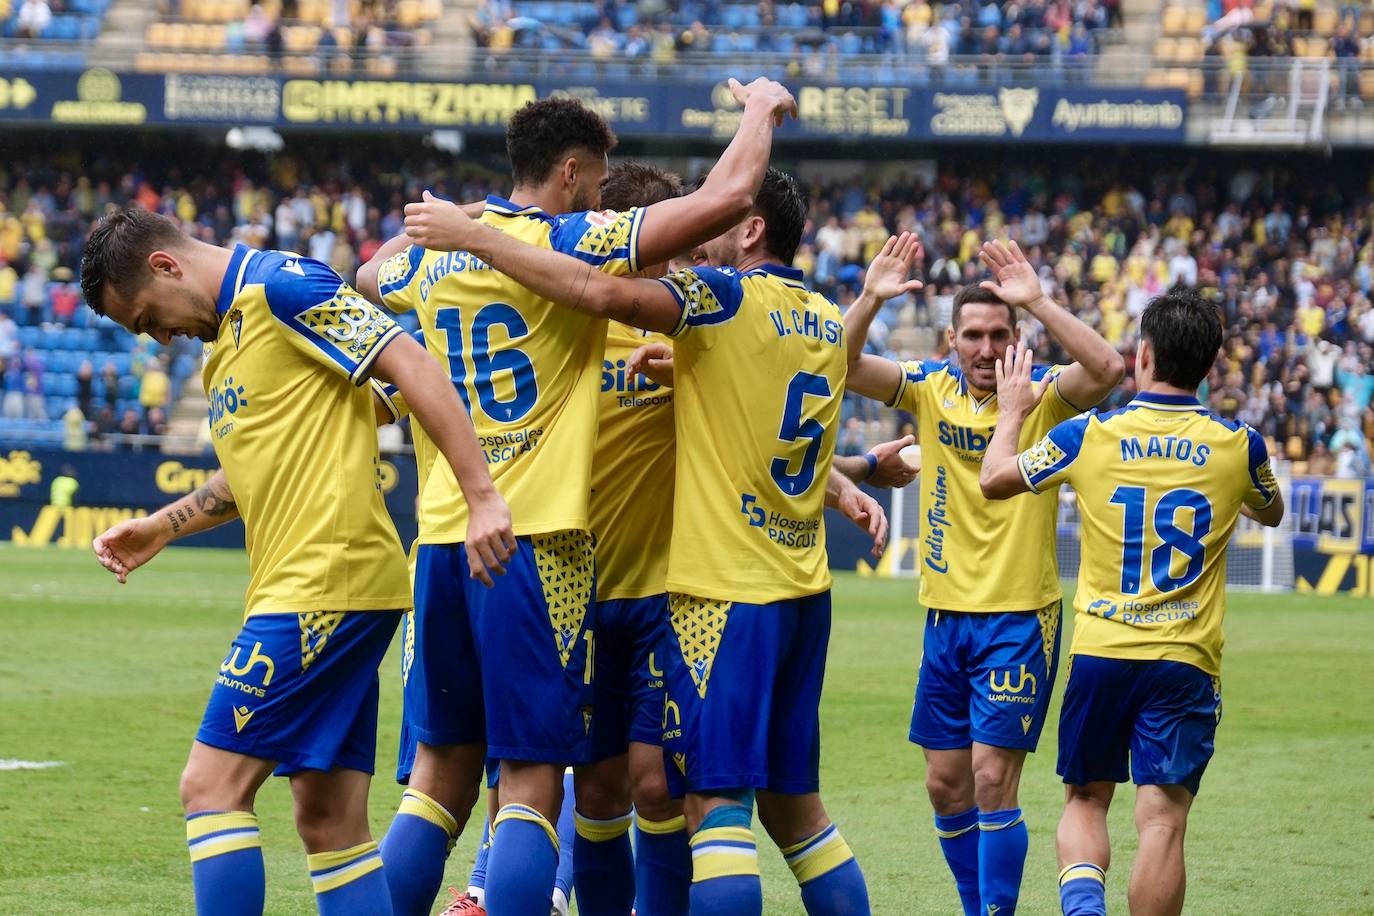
(30, 336)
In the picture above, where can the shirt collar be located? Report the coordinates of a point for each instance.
(1168, 400)
(503, 207)
(792, 276)
(229, 287)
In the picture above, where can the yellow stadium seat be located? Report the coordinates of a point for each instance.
(430, 10)
(1188, 50)
(1157, 79)
(1367, 83)
(156, 35)
(1165, 49)
(408, 14)
(1196, 21)
(1326, 20)
(1174, 21)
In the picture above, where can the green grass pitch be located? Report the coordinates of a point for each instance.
(111, 682)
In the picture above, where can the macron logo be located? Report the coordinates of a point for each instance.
(293, 266)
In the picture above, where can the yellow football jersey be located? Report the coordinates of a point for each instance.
(977, 554)
(527, 369)
(1160, 483)
(759, 376)
(294, 429)
(632, 474)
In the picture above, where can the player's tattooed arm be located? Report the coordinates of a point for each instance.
(134, 542)
(843, 494)
(1097, 367)
(1017, 396)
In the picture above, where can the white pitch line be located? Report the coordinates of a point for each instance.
(9, 764)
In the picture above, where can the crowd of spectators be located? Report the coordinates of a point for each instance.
(1028, 31)
(1287, 256)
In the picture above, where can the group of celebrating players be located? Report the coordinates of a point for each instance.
(624, 405)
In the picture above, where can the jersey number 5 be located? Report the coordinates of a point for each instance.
(1165, 518)
(485, 363)
(795, 427)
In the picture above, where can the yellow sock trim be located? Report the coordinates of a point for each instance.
(334, 869)
(823, 857)
(418, 804)
(951, 834)
(659, 828)
(523, 813)
(601, 831)
(210, 835)
(1083, 870)
(721, 852)
(992, 827)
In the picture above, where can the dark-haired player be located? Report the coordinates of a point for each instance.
(988, 571)
(758, 377)
(511, 669)
(1160, 484)
(289, 347)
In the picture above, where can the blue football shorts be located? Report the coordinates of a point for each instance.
(506, 665)
(1161, 715)
(743, 694)
(985, 677)
(301, 690)
(631, 639)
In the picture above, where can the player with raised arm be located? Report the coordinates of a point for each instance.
(988, 571)
(759, 373)
(510, 670)
(1160, 484)
(289, 346)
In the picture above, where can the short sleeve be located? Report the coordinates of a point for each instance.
(914, 375)
(607, 240)
(708, 296)
(1046, 464)
(1263, 488)
(394, 279)
(1053, 407)
(326, 319)
(391, 399)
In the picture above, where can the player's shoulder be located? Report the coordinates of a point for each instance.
(595, 234)
(709, 295)
(292, 283)
(931, 370)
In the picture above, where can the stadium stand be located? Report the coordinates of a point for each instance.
(1291, 264)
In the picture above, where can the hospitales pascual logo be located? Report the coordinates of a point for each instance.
(98, 94)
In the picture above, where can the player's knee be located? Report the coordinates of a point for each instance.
(600, 797)
(994, 784)
(202, 790)
(949, 792)
(323, 823)
(649, 792)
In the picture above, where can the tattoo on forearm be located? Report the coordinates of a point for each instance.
(180, 517)
(634, 310)
(213, 503)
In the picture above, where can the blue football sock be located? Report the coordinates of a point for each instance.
(524, 858)
(604, 866)
(725, 865)
(350, 881)
(663, 867)
(1001, 859)
(831, 882)
(959, 842)
(226, 863)
(1083, 890)
(567, 858)
(477, 881)
(415, 849)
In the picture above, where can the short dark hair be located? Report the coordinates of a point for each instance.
(1184, 331)
(116, 249)
(634, 184)
(783, 206)
(973, 294)
(546, 131)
